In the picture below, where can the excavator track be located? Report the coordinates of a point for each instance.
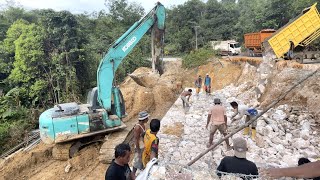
(66, 150)
(106, 153)
(61, 151)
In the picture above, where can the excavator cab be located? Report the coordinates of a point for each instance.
(122, 105)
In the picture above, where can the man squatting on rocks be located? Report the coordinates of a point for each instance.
(119, 168)
(184, 95)
(218, 119)
(139, 132)
(151, 142)
(238, 163)
(243, 110)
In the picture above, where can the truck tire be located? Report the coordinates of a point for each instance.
(298, 58)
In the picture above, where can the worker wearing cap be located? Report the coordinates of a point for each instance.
(218, 119)
(138, 134)
(207, 84)
(238, 163)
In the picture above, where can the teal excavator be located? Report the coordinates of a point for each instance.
(105, 106)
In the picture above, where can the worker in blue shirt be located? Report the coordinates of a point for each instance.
(207, 84)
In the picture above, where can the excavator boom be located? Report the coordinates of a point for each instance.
(121, 48)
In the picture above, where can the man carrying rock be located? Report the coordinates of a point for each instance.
(238, 163)
(151, 142)
(139, 131)
(218, 119)
(185, 100)
(249, 113)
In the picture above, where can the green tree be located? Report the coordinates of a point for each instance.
(64, 48)
(277, 14)
(180, 26)
(124, 12)
(251, 17)
(7, 47)
(28, 65)
(220, 20)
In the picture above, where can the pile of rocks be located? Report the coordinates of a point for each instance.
(284, 135)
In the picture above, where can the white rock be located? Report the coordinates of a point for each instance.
(292, 118)
(302, 117)
(305, 125)
(157, 173)
(300, 143)
(201, 175)
(304, 134)
(261, 123)
(279, 115)
(176, 155)
(295, 133)
(291, 160)
(274, 126)
(280, 148)
(271, 151)
(68, 167)
(276, 140)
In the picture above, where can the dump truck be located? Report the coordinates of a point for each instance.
(229, 47)
(253, 41)
(296, 34)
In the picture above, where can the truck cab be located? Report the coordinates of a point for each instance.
(229, 47)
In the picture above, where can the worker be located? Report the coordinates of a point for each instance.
(138, 134)
(218, 119)
(308, 170)
(198, 84)
(207, 84)
(151, 142)
(290, 52)
(238, 163)
(185, 100)
(249, 113)
(119, 168)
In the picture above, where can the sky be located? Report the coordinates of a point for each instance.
(80, 6)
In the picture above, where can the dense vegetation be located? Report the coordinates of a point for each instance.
(49, 57)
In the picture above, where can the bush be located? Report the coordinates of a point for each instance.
(13, 133)
(197, 58)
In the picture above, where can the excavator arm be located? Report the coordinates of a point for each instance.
(121, 48)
